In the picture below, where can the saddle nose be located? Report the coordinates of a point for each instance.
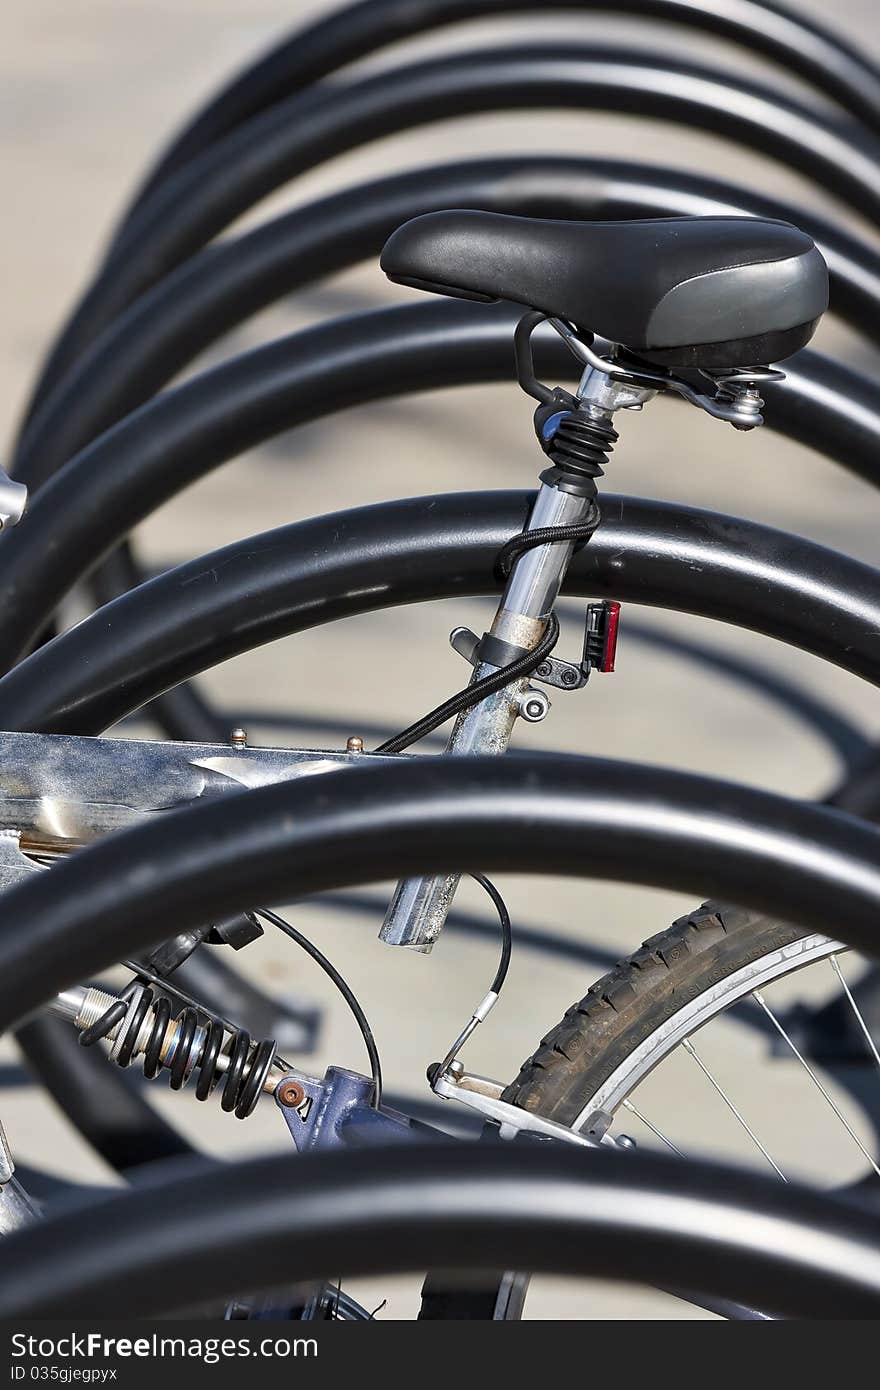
(703, 292)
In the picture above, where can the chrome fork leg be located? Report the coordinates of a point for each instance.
(420, 906)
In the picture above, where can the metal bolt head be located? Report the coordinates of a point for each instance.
(569, 677)
(624, 1141)
(238, 738)
(533, 705)
(355, 744)
(290, 1094)
(543, 669)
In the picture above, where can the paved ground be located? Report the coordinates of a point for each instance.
(89, 88)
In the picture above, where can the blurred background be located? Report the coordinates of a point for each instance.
(89, 91)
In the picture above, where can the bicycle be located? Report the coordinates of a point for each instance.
(736, 400)
(825, 60)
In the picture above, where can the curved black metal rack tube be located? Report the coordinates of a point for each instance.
(580, 817)
(312, 572)
(729, 1234)
(576, 815)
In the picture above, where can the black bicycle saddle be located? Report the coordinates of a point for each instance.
(709, 292)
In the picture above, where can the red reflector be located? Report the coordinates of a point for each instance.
(609, 647)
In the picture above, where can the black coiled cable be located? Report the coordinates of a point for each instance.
(544, 535)
(523, 665)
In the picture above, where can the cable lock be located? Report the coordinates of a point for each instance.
(523, 665)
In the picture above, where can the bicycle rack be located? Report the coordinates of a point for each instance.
(168, 221)
(361, 29)
(275, 387)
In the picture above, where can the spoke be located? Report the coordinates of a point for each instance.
(835, 965)
(814, 1078)
(653, 1128)
(692, 1052)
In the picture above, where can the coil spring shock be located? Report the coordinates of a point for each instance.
(143, 1025)
(574, 441)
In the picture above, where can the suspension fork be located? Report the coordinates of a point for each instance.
(420, 906)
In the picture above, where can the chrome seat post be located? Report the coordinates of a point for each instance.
(419, 907)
